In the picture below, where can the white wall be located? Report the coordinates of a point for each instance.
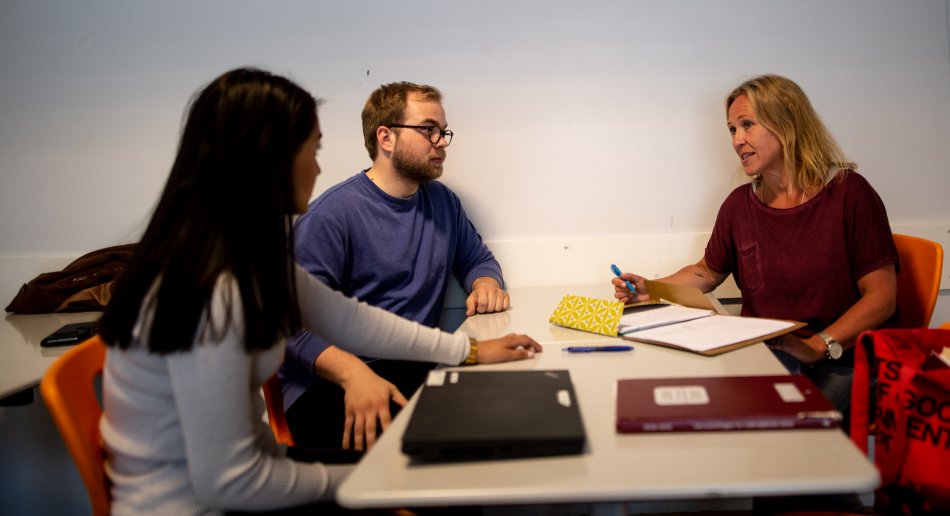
(573, 119)
(576, 122)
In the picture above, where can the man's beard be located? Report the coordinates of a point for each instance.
(418, 171)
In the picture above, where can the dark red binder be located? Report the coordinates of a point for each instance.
(722, 403)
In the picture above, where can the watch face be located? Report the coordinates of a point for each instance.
(834, 350)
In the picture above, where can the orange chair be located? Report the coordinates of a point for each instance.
(69, 392)
(918, 282)
(274, 400)
(945, 326)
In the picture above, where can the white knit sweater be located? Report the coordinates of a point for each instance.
(184, 431)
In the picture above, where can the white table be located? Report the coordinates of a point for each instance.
(614, 467)
(24, 361)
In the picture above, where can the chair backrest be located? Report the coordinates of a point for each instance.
(68, 388)
(274, 400)
(918, 282)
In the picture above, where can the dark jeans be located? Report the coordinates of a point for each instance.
(835, 383)
(833, 380)
(316, 418)
(847, 503)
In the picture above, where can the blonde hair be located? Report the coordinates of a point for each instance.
(809, 151)
(387, 105)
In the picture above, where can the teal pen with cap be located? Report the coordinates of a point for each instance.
(618, 273)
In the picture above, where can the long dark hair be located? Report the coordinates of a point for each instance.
(226, 208)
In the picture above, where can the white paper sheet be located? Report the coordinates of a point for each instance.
(651, 316)
(708, 333)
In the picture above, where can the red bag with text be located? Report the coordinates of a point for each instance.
(911, 420)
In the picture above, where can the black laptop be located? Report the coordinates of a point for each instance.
(476, 415)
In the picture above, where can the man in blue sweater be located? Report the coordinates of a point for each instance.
(394, 237)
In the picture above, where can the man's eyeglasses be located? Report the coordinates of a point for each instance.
(435, 132)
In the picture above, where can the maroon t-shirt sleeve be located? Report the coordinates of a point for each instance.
(869, 231)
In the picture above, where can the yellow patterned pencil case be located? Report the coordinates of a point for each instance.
(588, 314)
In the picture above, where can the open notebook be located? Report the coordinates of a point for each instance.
(639, 318)
(676, 316)
(685, 318)
(699, 331)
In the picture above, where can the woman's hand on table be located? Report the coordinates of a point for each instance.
(506, 349)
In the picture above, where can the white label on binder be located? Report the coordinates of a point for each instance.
(789, 392)
(681, 395)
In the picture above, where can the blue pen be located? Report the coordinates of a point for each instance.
(590, 349)
(618, 273)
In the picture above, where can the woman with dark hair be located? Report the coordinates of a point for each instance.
(199, 320)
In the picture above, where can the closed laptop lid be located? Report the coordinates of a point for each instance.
(471, 415)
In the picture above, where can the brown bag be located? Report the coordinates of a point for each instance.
(83, 285)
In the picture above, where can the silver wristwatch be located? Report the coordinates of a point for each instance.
(833, 349)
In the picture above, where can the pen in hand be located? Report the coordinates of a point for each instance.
(618, 273)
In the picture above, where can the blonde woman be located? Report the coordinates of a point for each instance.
(807, 239)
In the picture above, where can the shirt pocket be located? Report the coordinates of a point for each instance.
(750, 273)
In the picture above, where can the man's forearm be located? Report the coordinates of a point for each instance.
(336, 365)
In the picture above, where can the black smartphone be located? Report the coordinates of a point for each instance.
(69, 334)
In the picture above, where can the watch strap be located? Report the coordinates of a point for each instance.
(830, 345)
